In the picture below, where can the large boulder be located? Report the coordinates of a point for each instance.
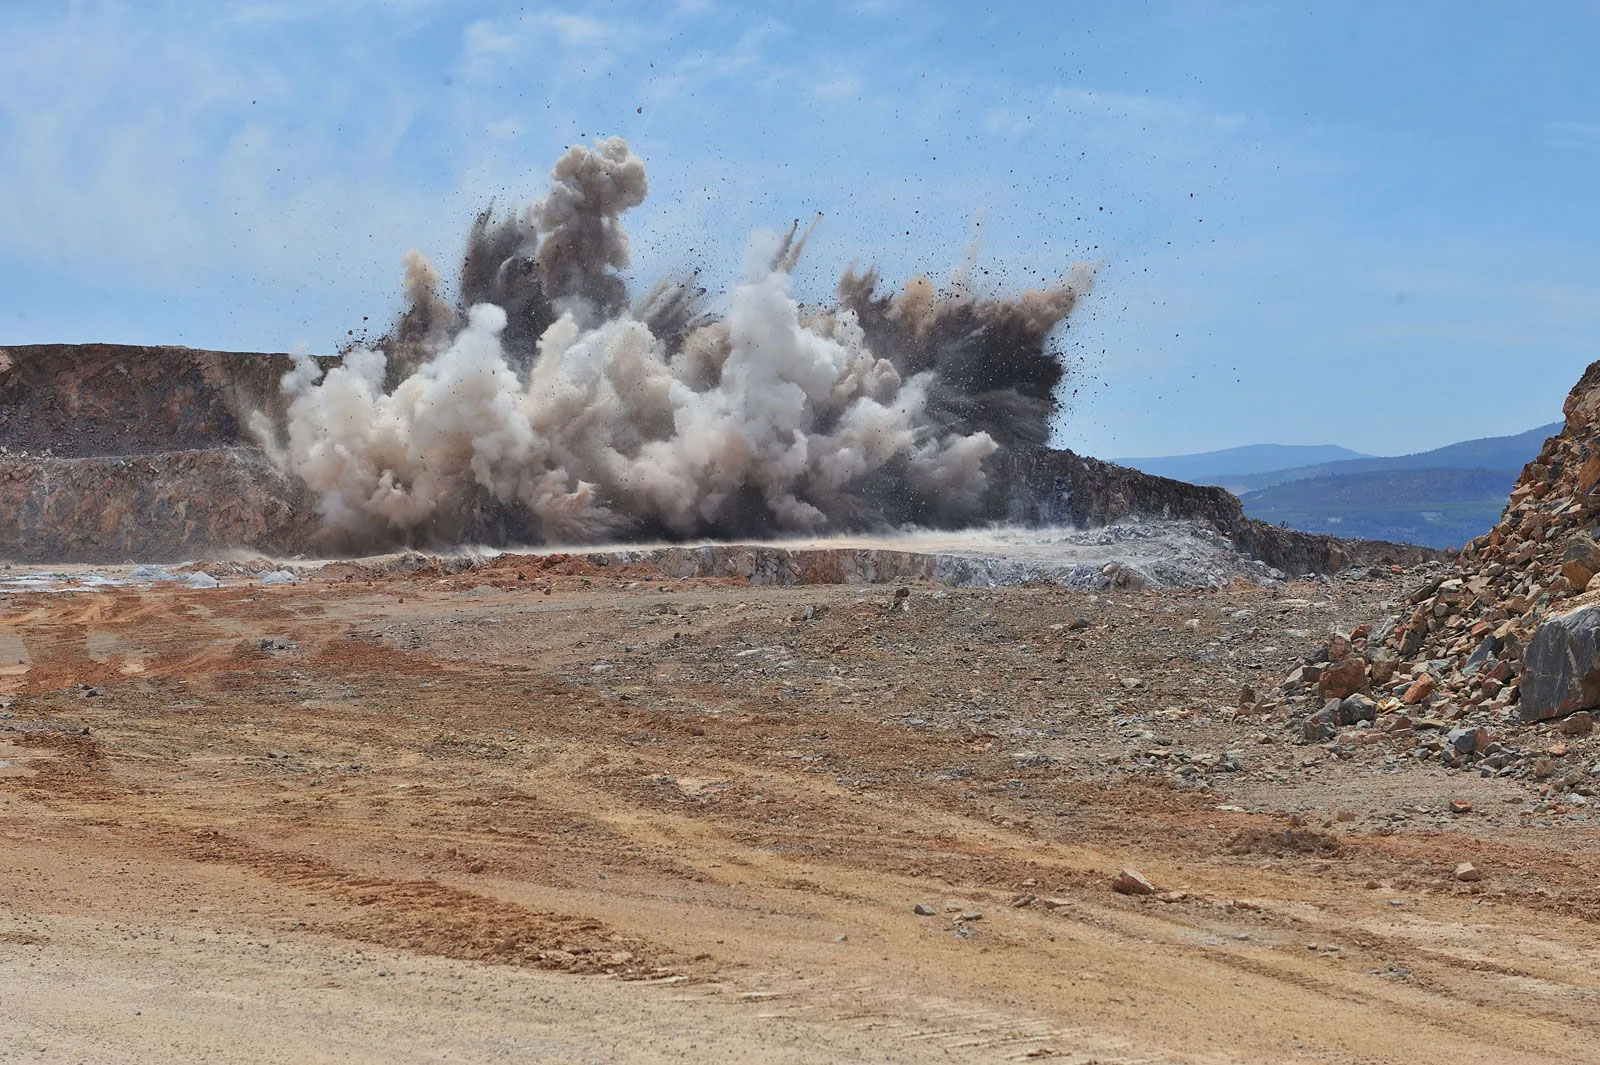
(1341, 679)
(1580, 561)
(1561, 667)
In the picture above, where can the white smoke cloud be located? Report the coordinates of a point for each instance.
(606, 430)
(766, 420)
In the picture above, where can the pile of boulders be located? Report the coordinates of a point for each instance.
(1506, 637)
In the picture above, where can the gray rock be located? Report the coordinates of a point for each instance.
(1355, 709)
(1468, 740)
(1320, 725)
(1561, 667)
(1579, 724)
(1483, 656)
(922, 909)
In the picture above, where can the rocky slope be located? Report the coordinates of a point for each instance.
(111, 452)
(1506, 637)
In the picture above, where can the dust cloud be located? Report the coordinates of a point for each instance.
(547, 406)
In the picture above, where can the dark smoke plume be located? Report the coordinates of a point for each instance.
(549, 408)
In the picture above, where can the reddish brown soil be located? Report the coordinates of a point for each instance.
(396, 818)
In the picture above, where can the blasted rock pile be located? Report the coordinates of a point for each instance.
(1505, 638)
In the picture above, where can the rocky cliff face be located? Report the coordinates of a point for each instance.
(160, 507)
(111, 452)
(78, 400)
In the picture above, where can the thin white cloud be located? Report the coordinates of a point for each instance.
(574, 31)
(267, 13)
(838, 89)
(1004, 122)
(504, 128)
(484, 45)
(1583, 135)
(1140, 108)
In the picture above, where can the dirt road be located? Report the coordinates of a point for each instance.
(541, 812)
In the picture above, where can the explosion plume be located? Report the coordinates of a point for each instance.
(552, 409)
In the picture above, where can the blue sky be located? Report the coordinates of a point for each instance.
(1359, 223)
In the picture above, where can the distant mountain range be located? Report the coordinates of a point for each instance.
(1438, 507)
(1235, 462)
(1440, 498)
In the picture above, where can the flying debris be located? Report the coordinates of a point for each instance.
(549, 407)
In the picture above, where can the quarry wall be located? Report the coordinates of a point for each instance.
(115, 452)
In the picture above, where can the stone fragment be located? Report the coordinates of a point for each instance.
(1355, 709)
(1419, 691)
(1580, 561)
(1468, 740)
(1561, 667)
(1589, 472)
(1345, 678)
(1132, 882)
(1320, 725)
(1579, 724)
(922, 909)
(1468, 873)
(1484, 655)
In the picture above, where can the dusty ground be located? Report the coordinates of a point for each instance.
(543, 813)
